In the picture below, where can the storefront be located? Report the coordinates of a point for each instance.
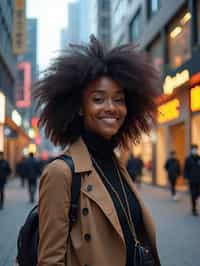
(15, 140)
(2, 119)
(178, 121)
(195, 116)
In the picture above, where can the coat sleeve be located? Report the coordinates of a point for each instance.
(54, 204)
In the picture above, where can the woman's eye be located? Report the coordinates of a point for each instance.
(120, 100)
(98, 99)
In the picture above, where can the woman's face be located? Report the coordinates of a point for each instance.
(104, 108)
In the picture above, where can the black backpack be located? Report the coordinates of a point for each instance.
(28, 238)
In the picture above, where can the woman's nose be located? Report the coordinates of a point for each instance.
(110, 105)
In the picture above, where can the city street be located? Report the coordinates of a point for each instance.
(178, 231)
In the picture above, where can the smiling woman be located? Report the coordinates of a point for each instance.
(94, 100)
(104, 107)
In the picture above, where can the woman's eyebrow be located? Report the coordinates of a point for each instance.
(101, 90)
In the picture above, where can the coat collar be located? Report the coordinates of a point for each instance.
(81, 157)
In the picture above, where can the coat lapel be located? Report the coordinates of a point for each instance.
(92, 185)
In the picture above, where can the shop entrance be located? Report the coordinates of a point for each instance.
(177, 141)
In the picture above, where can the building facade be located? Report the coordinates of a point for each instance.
(12, 136)
(88, 23)
(104, 21)
(74, 22)
(31, 44)
(27, 71)
(169, 32)
(7, 57)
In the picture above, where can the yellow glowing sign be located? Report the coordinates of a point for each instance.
(195, 98)
(171, 83)
(168, 111)
(3, 107)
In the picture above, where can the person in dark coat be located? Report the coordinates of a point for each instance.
(20, 170)
(192, 173)
(32, 171)
(4, 173)
(134, 167)
(172, 167)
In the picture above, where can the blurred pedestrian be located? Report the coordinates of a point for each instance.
(32, 171)
(94, 100)
(5, 171)
(192, 173)
(172, 167)
(135, 167)
(20, 170)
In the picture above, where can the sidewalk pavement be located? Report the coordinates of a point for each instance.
(178, 232)
(12, 218)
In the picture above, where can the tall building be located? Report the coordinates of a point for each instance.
(31, 50)
(63, 38)
(169, 32)
(118, 16)
(88, 19)
(104, 21)
(74, 22)
(27, 72)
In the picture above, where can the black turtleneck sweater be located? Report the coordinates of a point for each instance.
(102, 151)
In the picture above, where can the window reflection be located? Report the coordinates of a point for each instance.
(179, 36)
(153, 7)
(155, 52)
(136, 26)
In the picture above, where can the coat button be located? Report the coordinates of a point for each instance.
(85, 211)
(87, 237)
(89, 188)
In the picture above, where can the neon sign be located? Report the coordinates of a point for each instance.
(195, 98)
(168, 111)
(170, 83)
(23, 92)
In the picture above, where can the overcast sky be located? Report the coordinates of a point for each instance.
(52, 17)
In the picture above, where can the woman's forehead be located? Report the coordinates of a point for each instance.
(104, 84)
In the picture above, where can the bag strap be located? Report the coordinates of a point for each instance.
(75, 189)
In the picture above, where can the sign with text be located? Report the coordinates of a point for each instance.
(195, 98)
(168, 111)
(23, 90)
(19, 27)
(170, 83)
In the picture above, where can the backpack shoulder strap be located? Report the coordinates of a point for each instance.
(75, 189)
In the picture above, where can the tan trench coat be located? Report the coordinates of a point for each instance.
(96, 239)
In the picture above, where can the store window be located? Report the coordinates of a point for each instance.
(179, 38)
(152, 6)
(198, 20)
(136, 26)
(155, 52)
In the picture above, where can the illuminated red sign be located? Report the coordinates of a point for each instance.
(23, 92)
(34, 122)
